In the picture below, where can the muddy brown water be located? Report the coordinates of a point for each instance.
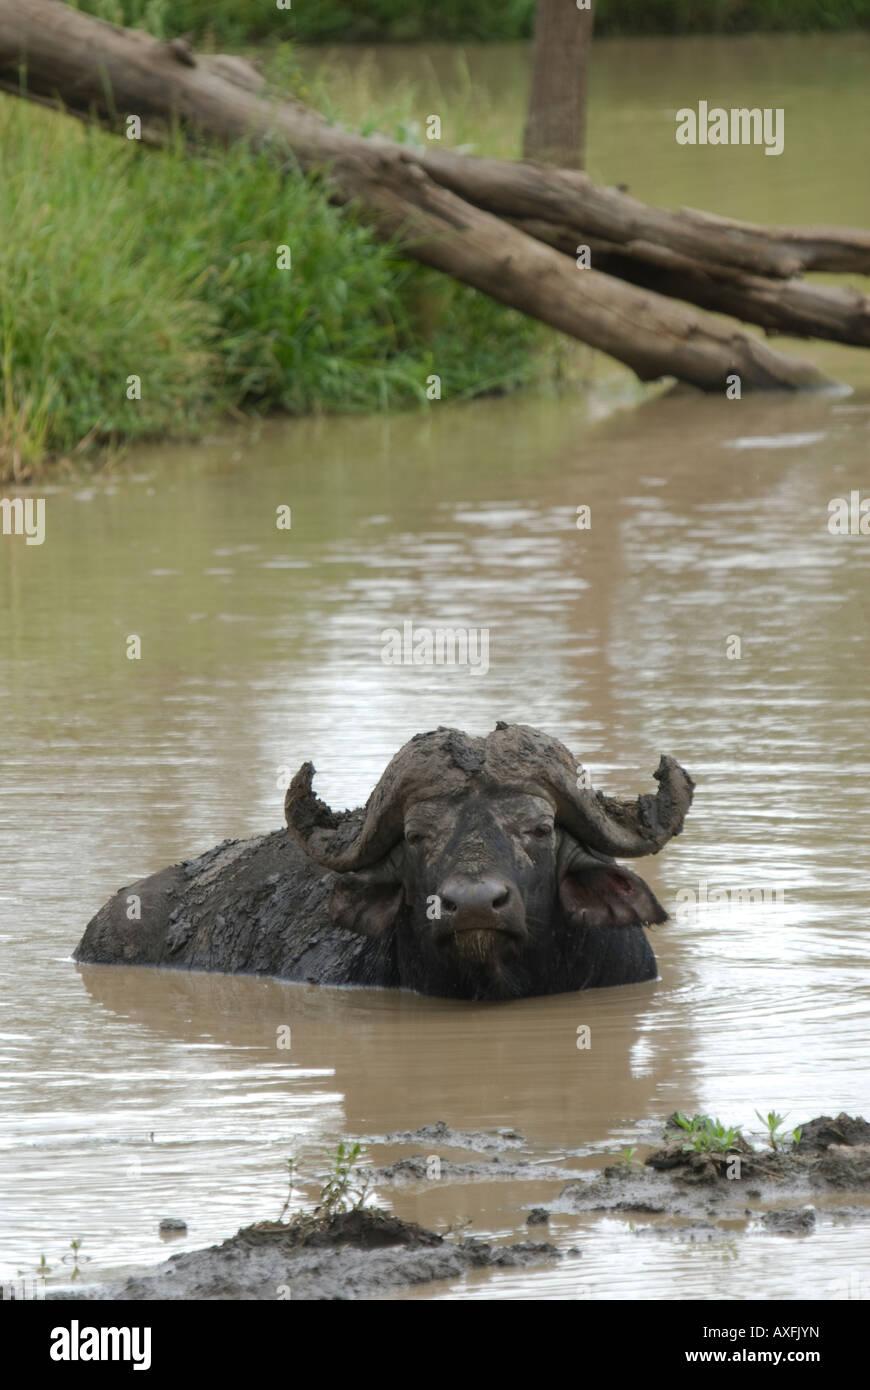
(129, 1096)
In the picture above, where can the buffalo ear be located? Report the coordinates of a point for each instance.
(366, 903)
(607, 895)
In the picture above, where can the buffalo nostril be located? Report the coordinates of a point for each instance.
(461, 897)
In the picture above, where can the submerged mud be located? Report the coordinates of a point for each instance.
(357, 1254)
(441, 1134)
(416, 1169)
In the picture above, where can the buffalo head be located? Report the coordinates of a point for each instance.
(486, 867)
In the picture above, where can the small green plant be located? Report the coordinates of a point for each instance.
(773, 1123)
(458, 1226)
(345, 1187)
(706, 1135)
(291, 1167)
(626, 1158)
(76, 1257)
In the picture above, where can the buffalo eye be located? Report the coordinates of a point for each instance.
(414, 837)
(541, 832)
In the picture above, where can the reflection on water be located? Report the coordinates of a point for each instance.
(129, 1096)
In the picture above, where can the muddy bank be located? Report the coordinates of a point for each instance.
(358, 1254)
(777, 1187)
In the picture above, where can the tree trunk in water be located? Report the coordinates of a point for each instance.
(556, 121)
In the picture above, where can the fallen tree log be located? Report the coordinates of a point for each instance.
(837, 249)
(423, 200)
(795, 307)
(522, 190)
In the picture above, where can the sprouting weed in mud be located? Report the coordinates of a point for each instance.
(626, 1158)
(345, 1187)
(458, 1225)
(706, 1135)
(42, 1270)
(773, 1123)
(76, 1257)
(291, 1167)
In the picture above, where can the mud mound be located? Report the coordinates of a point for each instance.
(820, 1134)
(358, 1254)
(832, 1156)
(831, 1153)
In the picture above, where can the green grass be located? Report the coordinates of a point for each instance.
(116, 260)
(236, 22)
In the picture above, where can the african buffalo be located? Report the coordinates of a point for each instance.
(479, 868)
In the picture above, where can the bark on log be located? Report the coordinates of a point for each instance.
(795, 307)
(837, 249)
(96, 70)
(523, 190)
